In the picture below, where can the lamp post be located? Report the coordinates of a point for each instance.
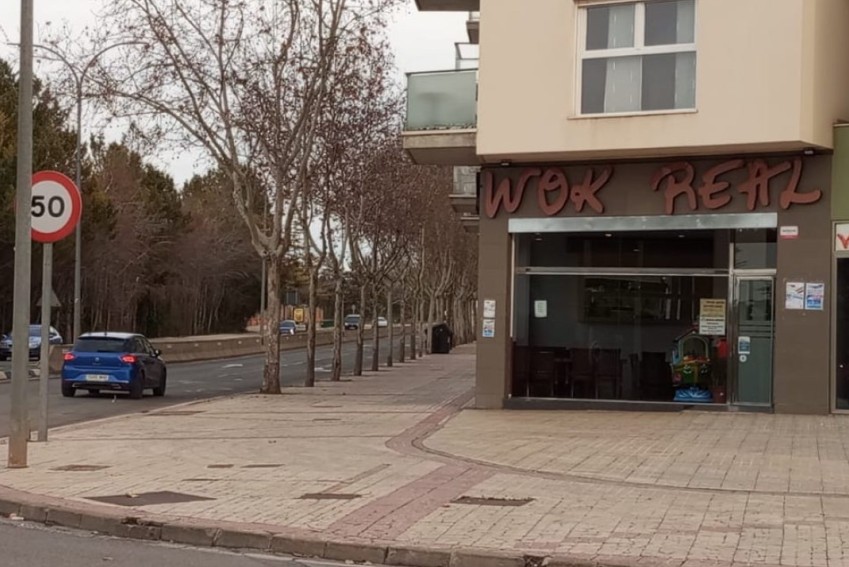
(79, 75)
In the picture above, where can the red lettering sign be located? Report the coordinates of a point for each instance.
(676, 180)
(554, 191)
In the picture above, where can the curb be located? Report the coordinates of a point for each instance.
(19, 505)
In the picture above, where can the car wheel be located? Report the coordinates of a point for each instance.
(137, 387)
(68, 390)
(160, 391)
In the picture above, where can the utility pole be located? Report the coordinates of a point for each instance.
(19, 427)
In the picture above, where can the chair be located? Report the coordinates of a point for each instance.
(543, 374)
(609, 370)
(582, 370)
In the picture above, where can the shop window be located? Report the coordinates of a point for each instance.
(636, 338)
(841, 350)
(638, 57)
(755, 249)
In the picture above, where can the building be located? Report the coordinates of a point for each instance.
(662, 200)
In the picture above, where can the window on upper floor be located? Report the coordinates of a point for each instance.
(638, 56)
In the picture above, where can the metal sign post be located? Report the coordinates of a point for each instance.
(19, 420)
(56, 212)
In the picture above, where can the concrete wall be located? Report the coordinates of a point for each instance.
(771, 76)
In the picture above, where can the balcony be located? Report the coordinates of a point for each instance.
(448, 5)
(470, 223)
(441, 123)
(473, 27)
(464, 198)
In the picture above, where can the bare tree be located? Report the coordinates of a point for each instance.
(244, 81)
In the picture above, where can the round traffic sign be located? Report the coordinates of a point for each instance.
(56, 206)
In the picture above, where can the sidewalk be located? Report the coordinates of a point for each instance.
(386, 468)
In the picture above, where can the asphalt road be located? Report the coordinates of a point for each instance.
(186, 382)
(30, 545)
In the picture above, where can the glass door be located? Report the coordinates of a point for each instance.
(754, 332)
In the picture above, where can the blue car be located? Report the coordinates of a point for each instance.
(123, 362)
(34, 342)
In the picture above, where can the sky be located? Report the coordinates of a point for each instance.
(421, 41)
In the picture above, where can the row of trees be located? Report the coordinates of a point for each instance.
(292, 105)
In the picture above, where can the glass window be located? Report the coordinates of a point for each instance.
(613, 337)
(101, 344)
(841, 350)
(626, 68)
(755, 249)
(666, 249)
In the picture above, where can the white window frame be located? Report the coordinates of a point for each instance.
(639, 49)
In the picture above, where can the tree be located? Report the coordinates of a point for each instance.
(244, 82)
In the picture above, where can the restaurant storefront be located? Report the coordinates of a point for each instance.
(666, 284)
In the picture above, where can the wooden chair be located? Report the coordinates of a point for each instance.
(582, 370)
(609, 370)
(543, 374)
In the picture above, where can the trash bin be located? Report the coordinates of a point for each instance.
(441, 339)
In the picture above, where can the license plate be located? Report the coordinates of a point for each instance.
(96, 378)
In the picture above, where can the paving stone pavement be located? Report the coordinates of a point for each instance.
(389, 458)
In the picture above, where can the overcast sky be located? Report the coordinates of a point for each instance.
(422, 41)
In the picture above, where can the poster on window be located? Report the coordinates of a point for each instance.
(488, 328)
(794, 296)
(814, 296)
(489, 308)
(712, 316)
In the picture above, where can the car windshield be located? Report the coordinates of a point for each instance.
(100, 344)
(352, 318)
(35, 331)
(287, 324)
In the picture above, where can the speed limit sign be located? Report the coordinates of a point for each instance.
(56, 206)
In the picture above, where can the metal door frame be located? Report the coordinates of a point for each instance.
(733, 331)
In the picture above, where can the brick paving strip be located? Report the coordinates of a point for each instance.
(389, 469)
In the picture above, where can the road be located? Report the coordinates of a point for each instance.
(186, 382)
(29, 545)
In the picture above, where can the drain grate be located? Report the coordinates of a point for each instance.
(80, 468)
(269, 466)
(473, 501)
(149, 498)
(330, 496)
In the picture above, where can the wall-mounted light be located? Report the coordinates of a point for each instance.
(506, 164)
(808, 151)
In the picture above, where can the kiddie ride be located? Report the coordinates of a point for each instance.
(692, 369)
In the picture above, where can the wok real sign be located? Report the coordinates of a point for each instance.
(754, 184)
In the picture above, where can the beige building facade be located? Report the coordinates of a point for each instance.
(660, 195)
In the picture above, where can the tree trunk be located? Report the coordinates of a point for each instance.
(338, 331)
(309, 381)
(431, 314)
(414, 328)
(375, 332)
(358, 361)
(271, 372)
(402, 345)
(391, 328)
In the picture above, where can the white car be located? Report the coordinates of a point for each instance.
(382, 322)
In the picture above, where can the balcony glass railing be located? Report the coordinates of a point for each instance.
(466, 181)
(442, 100)
(474, 16)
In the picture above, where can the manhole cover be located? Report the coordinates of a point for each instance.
(492, 501)
(269, 466)
(149, 498)
(219, 466)
(80, 468)
(329, 496)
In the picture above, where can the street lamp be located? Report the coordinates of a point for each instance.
(79, 76)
